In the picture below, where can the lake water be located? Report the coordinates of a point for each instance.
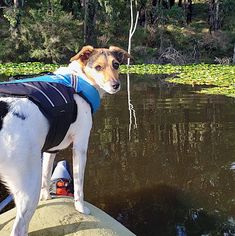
(176, 172)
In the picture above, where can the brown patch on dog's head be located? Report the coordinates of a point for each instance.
(120, 54)
(83, 55)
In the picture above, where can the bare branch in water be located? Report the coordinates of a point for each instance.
(132, 113)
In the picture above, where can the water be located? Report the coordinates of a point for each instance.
(176, 173)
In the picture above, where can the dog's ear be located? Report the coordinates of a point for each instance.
(120, 54)
(83, 55)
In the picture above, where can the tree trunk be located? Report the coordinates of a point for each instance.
(85, 21)
(234, 54)
(16, 3)
(90, 8)
(172, 3)
(15, 29)
(180, 3)
(189, 12)
(217, 14)
(214, 18)
(154, 3)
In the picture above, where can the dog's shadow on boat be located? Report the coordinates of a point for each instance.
(64, 229)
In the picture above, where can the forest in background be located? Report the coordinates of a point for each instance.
(168, 31)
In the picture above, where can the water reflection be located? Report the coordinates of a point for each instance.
(175, 170)
(177, 162)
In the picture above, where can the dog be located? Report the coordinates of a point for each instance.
(24, 129)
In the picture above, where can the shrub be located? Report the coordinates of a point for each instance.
(46, 35)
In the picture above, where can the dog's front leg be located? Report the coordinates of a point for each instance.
(79, 164)
(47, 165)
(80, 145)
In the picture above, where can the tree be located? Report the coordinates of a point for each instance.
(90, 10)
(214, 15)
(234, 54)
(188, 10)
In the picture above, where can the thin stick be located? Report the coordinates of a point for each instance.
(6, 201)
(131, 108)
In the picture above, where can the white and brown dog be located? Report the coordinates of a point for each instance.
(24, 128)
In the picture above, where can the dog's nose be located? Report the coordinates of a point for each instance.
(116, 86)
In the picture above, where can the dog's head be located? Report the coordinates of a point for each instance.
(101, 66)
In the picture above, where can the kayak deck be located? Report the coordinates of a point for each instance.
(59, 217)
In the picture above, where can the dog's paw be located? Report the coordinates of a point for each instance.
(45, 195)
(81, 208)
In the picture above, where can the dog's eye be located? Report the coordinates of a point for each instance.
(115, 65)
(98, 68)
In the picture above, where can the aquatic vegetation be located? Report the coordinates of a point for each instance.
(27, 68)
(151, 69)
(219, 78)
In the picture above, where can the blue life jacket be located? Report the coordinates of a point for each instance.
(53, 94)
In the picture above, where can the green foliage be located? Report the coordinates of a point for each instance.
(113, 8)
(51, 31)
(11, 14)
(47, 35)
(175, 15)
(50, 34)
(228, 7)
(113, 22)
